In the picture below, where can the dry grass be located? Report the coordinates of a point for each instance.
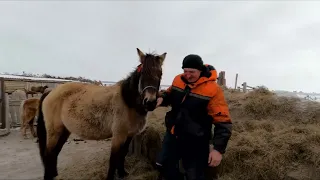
(273, 138)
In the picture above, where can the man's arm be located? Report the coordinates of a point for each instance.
(219, 111)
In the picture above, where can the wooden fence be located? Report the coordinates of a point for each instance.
(4, 111)
(10, 98)
(245, 88)
(12, 94)
(14, 109)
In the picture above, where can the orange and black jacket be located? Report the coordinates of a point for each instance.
(205, 104)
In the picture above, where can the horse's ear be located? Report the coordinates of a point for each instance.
(162, 57)
(141, 55)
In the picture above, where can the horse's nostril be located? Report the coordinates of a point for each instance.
(150, 105)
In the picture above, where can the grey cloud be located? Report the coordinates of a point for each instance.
(267, 43)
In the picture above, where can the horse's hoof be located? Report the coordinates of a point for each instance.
(122, 174)
(50, 175)
(48, 178)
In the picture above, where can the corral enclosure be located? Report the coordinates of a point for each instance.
(274, 138)
(14, 92)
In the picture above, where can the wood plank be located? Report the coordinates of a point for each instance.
(3, 116)
(11, 86)
(15, 102)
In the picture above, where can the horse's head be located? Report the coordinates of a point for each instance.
(44, 88)
(150, 72)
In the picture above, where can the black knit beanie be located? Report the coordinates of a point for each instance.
(193, 61)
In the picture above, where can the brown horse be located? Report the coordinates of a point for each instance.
(98, 112)
(28, 111)
(39, 89)
(35, 90)
(47, 90)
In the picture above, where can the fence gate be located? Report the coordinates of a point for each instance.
(14, 106)
(4, 100)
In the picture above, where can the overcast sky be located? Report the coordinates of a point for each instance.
(276, 44)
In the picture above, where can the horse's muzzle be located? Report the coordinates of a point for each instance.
(150, 105)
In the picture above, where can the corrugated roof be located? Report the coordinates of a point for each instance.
(31, 78)
(113, 82)
(53, 79)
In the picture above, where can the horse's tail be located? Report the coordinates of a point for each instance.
(41, 129)
(21, 111)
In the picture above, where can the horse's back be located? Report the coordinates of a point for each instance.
(66, 89)
(28, 109)
(70, 89)
(29, 105)
(84, 109)
(32, 103)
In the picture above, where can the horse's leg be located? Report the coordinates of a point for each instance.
(55, 143)
(23, 130)
(123, 153)
(32, 127)
(117, 141)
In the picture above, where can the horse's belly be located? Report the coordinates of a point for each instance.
(88, 130)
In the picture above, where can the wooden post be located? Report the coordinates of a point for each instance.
(236, 82)
(224, 83)
(3, 115)
(8, 123)
(222, 79)
(219, 78)
(244, 87)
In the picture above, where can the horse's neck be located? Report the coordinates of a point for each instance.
(129, 90)
(130, 93)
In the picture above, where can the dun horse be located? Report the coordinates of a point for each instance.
(39, 89)
(98, 112)
(35, 90)
(28, 111)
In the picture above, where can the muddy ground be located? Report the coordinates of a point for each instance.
(78, 159)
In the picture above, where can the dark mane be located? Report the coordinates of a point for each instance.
(129, 88)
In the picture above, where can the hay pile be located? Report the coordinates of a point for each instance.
(273, 138)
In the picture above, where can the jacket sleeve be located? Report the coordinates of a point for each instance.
(219, 111)
(166, 97)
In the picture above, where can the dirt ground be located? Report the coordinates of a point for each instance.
(273, 138)
(20, 158)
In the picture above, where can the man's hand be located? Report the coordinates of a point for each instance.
(159, 101)
(215, 158)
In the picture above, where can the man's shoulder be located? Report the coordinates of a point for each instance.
(211, 84)
(210, 88)
(177, 78)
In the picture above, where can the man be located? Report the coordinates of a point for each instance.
(197, 102)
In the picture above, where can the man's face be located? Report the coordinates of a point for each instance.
(191, 75)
